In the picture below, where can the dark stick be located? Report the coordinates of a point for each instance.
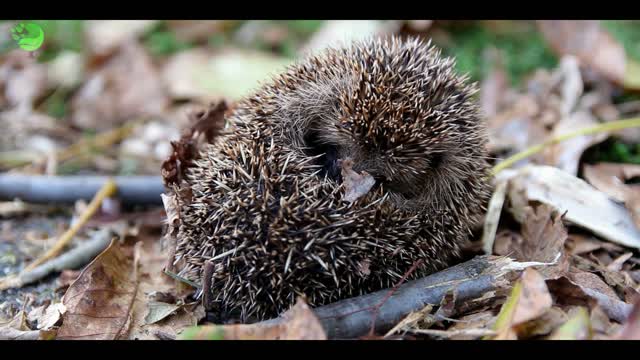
(133, 190)
(351, 318)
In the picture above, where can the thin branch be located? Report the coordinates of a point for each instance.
(610, 126)
(352, 318)
(108, 189)
(133, 190)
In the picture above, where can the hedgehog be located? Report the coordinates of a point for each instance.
(267, 216)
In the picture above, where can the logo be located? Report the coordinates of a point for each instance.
(28, 35)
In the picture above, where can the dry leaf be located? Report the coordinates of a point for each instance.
(300, 323)
(631, 328)
(529, 299)
(127, 86)
(578, 327)
(200, 74)
(586, 289)
(543, 238)
(585, 206)
(566, 155)
(610, 178)
(99, 302)
(590, 43)
(355, 185)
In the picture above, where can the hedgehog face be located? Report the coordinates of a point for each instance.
(397, 112)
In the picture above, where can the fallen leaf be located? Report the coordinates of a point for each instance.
(355, 185)
(99, 302)
(47, 316)
(631, 328)
(126, 87)
(578, 327)
(584, 205)
(528, 300)
(542, 240)
(595, 48)
(344, 31)
(203, 75)
(586, 289)
(610, 178)
(566, 154)
(159, 311)
(616, 265)
(299, 323)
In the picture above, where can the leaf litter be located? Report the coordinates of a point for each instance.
(572, 221)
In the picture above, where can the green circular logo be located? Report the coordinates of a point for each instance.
(28, 35)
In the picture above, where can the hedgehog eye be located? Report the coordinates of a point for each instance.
(328, 158)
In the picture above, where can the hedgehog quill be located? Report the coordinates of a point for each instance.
(332, 180)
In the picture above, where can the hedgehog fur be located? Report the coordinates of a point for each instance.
(265, 205)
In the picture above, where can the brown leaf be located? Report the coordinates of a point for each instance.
(529, 299)
(300, 323)
(566, 155)
(355, 185)
(99, 302)
(587, 41)
(543, 238)
(209, 123)
(534, 300)
(127, 86)
(610, 178)
(586, 289)
(631, 328)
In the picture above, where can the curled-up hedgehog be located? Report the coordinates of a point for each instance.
(333, 180)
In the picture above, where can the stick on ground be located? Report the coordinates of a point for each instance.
(133, 190)
(351, 318)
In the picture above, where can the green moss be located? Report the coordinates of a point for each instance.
(523, 52)
(160, 41)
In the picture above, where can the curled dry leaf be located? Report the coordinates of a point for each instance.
(355, 185)
(206, 126)
(584, 205)
(300, 323)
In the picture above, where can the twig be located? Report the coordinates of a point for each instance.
(72, 259)
(99, 141)
(610, 126)
(137, 190)
(107, 190)
(389, 294)
(347, 319)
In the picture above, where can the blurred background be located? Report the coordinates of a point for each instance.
(92, 77)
